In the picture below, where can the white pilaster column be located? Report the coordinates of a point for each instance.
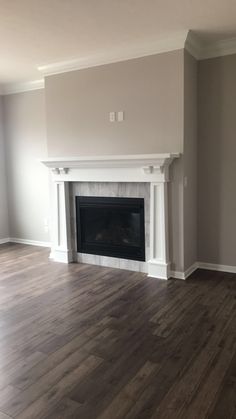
(159, 265)
(61, 234)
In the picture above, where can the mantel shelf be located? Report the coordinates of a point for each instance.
(118, 161)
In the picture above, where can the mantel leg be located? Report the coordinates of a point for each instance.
(61, 235)
(159, 265)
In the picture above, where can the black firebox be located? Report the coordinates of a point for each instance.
(111, 226)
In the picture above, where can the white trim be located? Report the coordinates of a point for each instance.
(190, 270)
(202, 50)
(62, 256)
(193, 45)
(158, 270)
(61, 238)
(219, 49)
(114, 168)
(182, 40)
(30, 242)
(13, 88)
(205, 266)
(123, 159)
(3, 241)
(171, 42)
(177, 275)
(185, 274)
(159, 265)
(217, 267)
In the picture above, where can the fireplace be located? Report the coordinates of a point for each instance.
(152, 169)
(111, 226)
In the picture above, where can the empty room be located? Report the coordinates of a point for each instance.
(117, 209)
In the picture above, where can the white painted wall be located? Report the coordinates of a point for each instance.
(4, 233)
(27, 178)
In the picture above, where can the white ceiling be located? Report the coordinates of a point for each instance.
(40, 32)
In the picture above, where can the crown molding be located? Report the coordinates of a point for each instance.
(183, 40)
(202, 50)
(169, 43)
(193, 45)
(187, 40)
(219, 49)
(10, 89)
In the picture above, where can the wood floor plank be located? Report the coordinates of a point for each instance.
(88, 342)
(130, 393)
(40, 408)
(225, 403)
(3, 416)
(66, 409)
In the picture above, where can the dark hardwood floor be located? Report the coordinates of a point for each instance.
(80, 341)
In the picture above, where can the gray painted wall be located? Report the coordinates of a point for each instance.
(190, 161)
(4, 233)
(150, 92)
(217, 161)
(27, 178)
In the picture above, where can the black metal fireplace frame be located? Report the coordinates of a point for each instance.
(123, 252)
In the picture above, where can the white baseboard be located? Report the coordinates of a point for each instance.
(203, 265)
(30, 242)
(61, 255)
(185, 274)
(6, 240)
(173, 274)
(217, 267)
(158, 270)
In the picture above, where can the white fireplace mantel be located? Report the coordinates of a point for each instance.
(151, 168)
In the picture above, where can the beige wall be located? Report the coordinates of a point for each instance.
(4, 233)
(217, 162)
(25, 132)
(150, 92)
(190, 161)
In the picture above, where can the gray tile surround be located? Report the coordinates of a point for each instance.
(121, 189)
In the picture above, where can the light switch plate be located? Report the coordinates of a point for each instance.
(120, 116)
(112, 116)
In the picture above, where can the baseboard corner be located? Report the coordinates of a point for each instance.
(5, 240)
(29, 242)
(217, 267)
(185, 274)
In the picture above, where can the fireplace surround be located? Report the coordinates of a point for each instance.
(149, 168)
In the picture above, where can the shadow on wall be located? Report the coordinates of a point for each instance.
(216, 194)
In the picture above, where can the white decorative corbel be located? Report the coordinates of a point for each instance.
(64, 170)
(148, 170)
(55, 171)
(60, 170)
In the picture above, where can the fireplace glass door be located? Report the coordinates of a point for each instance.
(111, 226)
